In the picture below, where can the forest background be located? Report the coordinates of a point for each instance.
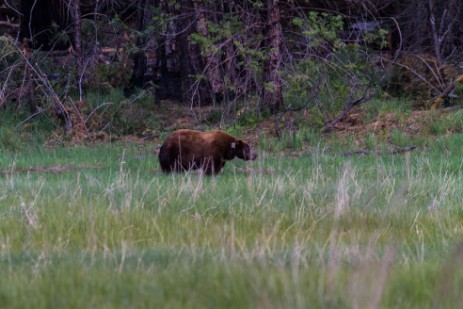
(98, 67)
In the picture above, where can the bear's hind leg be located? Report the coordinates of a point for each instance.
(164, 160)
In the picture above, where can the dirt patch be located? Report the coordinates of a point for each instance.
(356, 124)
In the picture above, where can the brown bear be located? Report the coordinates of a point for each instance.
(185, 150)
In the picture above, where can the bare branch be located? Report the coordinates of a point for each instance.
(47, 89)
(349, 105)
(8, 24)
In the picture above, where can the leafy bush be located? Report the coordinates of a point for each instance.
(334, 74)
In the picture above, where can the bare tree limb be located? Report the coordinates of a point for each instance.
(8, 24)
(77, 44)
(328, 127)
(395, 150)
(47, 89)
(38, 112)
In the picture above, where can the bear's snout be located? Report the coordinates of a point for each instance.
(252, 155)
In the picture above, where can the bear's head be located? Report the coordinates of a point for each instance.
(243, 150)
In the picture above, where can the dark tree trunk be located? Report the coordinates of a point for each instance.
(211, 67)
(187, 56)
(200, 90)
(168, 77)
(78, 45)
(137, 80)
(179, 61)
(272, 97)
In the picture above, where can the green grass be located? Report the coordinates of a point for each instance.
(319, 230)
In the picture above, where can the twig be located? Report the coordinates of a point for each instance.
(402, 149)
(95, 109)
(29, 118)
(8, 24)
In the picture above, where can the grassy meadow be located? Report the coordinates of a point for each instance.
(100, 226)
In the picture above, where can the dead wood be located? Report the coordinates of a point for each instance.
(447, 92)
(395, 150)
(328, 127)
(51, 169)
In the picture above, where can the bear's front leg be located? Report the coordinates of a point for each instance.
(212, 166)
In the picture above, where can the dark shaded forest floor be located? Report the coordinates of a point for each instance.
(401, 126)
(359, 122)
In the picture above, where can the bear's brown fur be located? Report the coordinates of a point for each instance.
(185, 150)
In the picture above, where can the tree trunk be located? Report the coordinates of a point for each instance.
(77, 44)
(179, 61)
(272, 97)
(211, 65)
(168, 77)
(137, 80)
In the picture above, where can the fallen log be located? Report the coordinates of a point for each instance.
(395, 150)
